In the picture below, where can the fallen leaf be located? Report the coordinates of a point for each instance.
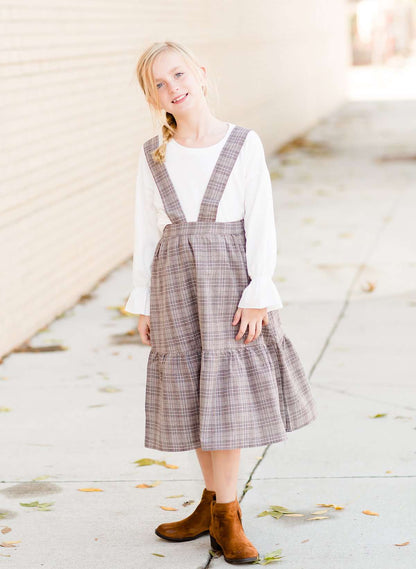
(4, 409)
(176, 496)
(41, 506)
(9, 543)
(109, 389)
(270, 557)
(120, 309)
(149, 461)
(163, 463)
(6, 529)
(294, 515)
(281, 509)
(331, 506)
(400, 544)
(318, 518)
(276, 512)
(276, 515)
(152, 485)
(378, 415)
(370, 513)
(170, 509)
(158, 554)
(319, 512)
(90, 490)
(145, 461)
(370, 287)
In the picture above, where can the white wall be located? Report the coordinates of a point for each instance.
(73, 117)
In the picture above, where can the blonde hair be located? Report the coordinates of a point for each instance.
(146, 81)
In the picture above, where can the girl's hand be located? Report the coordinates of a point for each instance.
(143, 327)
(253, 317)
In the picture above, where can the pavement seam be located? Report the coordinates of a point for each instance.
(385, 221)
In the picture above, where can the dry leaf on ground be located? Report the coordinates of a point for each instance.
(6, 529)
(152, 485)
(149, 461)
(331, 506)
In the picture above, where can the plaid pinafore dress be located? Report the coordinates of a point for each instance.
(204, 388)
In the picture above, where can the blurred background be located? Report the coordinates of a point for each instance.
(73, 116)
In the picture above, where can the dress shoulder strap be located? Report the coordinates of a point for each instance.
(222, 170)
(163, 182)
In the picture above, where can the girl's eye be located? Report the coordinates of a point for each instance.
(178, 73)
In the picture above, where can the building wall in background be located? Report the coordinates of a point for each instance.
(73, 119)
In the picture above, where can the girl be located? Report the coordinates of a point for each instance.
(221, 373)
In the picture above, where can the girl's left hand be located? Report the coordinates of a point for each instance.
(253, 318)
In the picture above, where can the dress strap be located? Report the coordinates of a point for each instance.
(216, 185)
(164, 183)
(222, 170)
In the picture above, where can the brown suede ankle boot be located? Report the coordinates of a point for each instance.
(193, 526)
(227, 533)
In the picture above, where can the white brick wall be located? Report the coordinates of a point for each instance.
(73, 116)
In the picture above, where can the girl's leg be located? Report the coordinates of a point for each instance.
(220, 472)
(205, 462)
(225, 465)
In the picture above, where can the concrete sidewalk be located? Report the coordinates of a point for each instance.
(346, 272)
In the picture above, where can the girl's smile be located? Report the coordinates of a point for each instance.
(180, 99)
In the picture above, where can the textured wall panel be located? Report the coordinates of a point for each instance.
(73, 117)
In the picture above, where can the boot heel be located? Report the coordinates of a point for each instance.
(214, 544)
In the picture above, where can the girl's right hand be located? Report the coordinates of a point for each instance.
(143, 327)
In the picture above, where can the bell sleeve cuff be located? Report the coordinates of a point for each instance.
(138, 301)
(261, 293)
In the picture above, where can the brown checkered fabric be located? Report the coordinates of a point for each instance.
(205, 389)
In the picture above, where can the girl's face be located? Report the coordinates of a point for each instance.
(176, 86)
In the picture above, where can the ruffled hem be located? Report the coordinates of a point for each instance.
(248, 396)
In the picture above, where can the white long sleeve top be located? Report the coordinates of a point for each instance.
(248, 195)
